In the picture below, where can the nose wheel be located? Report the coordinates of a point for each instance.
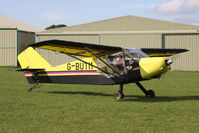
(148, 93)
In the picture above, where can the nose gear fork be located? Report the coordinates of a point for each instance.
(148, 93)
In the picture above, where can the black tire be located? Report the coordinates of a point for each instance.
(150, 94)
(119, 95)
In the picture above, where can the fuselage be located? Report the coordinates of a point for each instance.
(78, 72)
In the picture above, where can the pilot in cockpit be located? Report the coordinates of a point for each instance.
(119, 64)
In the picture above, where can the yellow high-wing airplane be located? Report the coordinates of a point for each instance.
(102, 65)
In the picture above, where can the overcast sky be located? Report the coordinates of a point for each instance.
(43, 13)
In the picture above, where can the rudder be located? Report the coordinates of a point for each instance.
(31, 59)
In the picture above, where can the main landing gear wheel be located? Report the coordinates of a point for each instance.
(150, 94)
(119, 95)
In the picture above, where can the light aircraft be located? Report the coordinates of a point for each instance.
(102, 65)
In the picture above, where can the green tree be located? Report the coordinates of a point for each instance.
(55, 26)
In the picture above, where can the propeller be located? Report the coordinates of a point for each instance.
(169, 61)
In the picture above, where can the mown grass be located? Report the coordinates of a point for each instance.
(56, 108)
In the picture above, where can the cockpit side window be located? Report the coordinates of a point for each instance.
(117, 61)
(131, 60)
(122, 62)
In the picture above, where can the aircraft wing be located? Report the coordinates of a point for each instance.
(76, 48)
(158, 52)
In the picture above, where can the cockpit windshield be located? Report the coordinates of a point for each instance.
(135, 52)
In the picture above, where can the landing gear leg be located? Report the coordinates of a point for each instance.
(37, 83)
(119, 94)
(148, 93)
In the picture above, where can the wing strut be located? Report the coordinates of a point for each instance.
(89, 50)
(89, 64)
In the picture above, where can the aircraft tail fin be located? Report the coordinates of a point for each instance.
(30, 59)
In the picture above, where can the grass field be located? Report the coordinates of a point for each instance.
(63, 108)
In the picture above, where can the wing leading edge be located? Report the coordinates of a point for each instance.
(76, 48)
(157, 52)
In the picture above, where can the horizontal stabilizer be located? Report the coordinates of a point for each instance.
(26, 70)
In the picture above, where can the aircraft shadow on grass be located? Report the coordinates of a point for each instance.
(136, 98)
